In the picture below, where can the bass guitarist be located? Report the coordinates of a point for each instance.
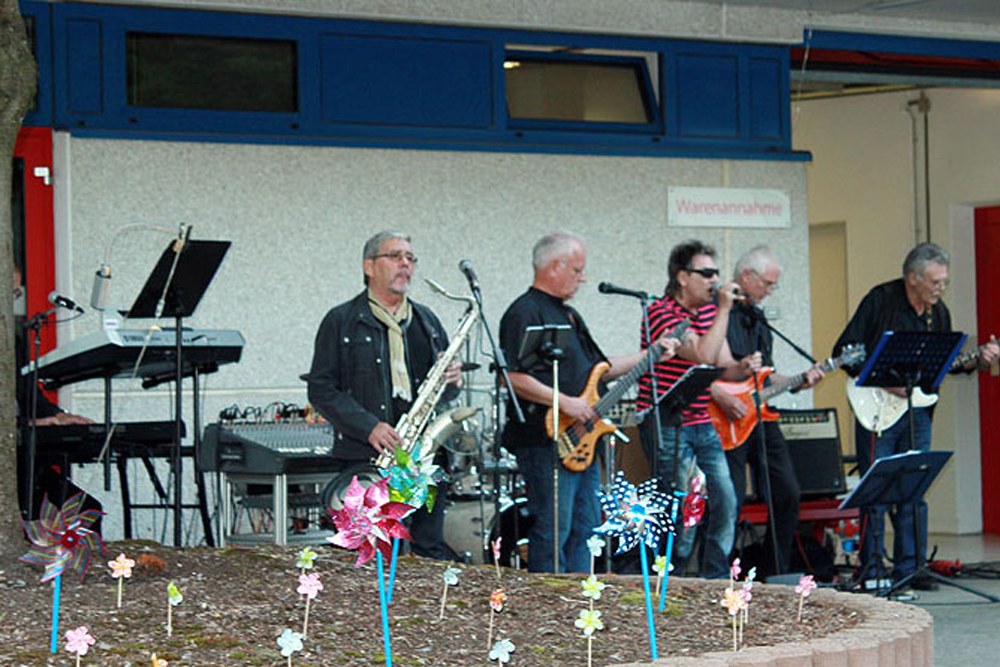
(559, 260)
(910, 303)
(757, 273)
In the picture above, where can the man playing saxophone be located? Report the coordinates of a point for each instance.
(371, 355)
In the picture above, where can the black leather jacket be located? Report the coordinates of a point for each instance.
(349, 382)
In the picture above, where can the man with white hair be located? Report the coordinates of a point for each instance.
(559, 261)
(757, 273)
(910, 303)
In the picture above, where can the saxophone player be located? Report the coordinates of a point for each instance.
(371, 355)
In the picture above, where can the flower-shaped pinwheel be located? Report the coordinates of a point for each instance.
(79, 641)
(589, 621)
(495, 548)
(290, 642)
(635, 514)
(121, 567)
(158, 662)
(501, 651)
(805, 585)
(733, 601)
(596, 545)
(694, 503)
(735, 569)
(309, 585)
(174, 596)
(369, 520)
(660, 565)
(62, 538)
(592, 588)
(413, 480)
(497, 598)
(306, 558)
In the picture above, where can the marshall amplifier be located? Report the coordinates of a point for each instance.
(814, 444)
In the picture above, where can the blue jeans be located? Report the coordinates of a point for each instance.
(700, 443)
(579, 510)
(894, 440)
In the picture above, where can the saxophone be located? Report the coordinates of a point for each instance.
(411, 425)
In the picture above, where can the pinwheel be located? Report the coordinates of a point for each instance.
(366, 523)
(62, 538)
(121, 569)
(495, 548)
(306, 558)
(592, 587)
(501, 651)
(309, 586)
(413, 481)
(79, 642)
(174, 598)
(590, 622)
(747, 592)
(637, 515)
(804, 588)
(497, 598)
(290, 642)
(734, 602)
(450, 579)
(157, 662)
(694, 503)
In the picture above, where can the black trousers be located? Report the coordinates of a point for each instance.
(784, 485)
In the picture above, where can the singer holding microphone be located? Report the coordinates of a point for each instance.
(371, 355)
(559, 260)
(693, 293)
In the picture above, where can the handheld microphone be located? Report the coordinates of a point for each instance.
(608, 288)
(57, 299)
(465, 266)
(737, 292)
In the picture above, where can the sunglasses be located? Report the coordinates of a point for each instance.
(704, 273)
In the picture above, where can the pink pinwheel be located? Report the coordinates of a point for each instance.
(309, 585)
(62, 538)
(694, 503)
(369, 520)
(735, 569)
(79, 641)
(804, 588)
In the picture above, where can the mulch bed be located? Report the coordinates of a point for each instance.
(238, 600)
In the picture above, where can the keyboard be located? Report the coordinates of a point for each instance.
(82, 443)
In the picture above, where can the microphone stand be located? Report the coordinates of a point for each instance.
(35, 326)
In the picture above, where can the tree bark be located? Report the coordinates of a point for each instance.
(17, 89)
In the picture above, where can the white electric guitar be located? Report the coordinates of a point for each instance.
(878, 409)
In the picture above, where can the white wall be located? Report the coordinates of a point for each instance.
(862, 173)
(298, 217)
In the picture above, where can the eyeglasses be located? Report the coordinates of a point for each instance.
(704, 273)
(936, 284)
(399, 256)
(768, 284)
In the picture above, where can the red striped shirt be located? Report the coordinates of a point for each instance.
(665, 314)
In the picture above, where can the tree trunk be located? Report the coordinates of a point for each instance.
(17, 89)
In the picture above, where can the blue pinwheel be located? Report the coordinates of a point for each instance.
(635, 514)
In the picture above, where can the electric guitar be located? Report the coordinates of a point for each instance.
(877, 409)
(735, 433)
(577, 440)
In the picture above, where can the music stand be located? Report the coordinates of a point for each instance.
(543, 345)
(911, 359)
(174, 289)
(903, 479)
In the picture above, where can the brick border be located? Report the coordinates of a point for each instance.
(891, 634)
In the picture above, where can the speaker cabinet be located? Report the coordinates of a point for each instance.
(814, 444)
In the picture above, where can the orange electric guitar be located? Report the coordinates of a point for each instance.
(734, 433)
(577, 440)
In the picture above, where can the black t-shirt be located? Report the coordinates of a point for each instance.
(748, 333)
(580, 354)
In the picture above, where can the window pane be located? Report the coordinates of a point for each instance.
(575, 91)
(216, 73)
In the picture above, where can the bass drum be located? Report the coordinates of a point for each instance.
(463, 521)
(463, 528)
(512, 527)
(336, 488)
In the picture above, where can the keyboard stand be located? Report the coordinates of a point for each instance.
(279, 508)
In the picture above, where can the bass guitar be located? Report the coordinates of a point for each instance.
(877, 409)
(735, 433)
(578, 440)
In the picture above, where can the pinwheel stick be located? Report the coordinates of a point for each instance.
(678, 501)
(385, 609)
(54, 637)
(649, 600)
(590, 650)
(802, 599)
(736, 646)
(489, 635)
(170, 620)
(121, 584)
(444, 601)
(305, 621)
(392, 569)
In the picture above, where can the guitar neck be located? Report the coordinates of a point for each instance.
(625, 382)
(786, 384)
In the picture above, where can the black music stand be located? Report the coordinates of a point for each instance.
(174, 289)
(903, 479)
(911, 359)
(542, 346)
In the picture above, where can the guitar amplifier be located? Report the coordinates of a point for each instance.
(814, 444)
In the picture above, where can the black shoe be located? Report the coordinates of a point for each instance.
(924, 583)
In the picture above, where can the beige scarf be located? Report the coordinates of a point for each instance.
(397, 349)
